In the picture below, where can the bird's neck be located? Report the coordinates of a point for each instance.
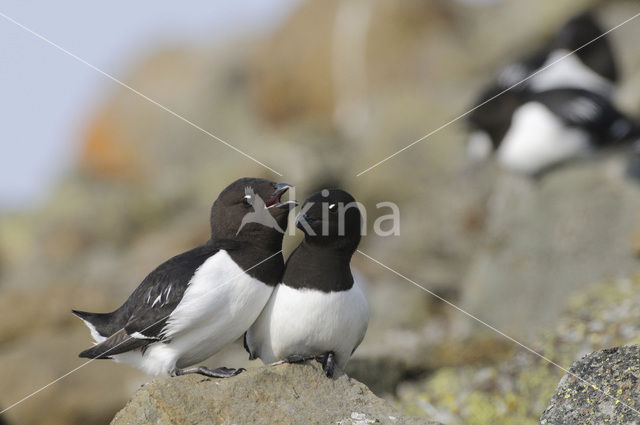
(264, 263)
(268, 243)
(319, 267)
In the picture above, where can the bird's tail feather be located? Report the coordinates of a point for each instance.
(98, 323)
(95, 352)
(119, 342)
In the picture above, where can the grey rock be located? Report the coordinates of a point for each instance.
(549, 238)
(283, 394)
(516, 390)
(381, 374)
(600, 388)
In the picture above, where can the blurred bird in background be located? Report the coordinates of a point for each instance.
(553, 105)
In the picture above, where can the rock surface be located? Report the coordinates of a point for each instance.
(600, 388)
(284, 394)
(515, 392)
(547, 240)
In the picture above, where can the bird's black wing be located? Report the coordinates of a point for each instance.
(576, 107)
(589, 111)
(161, 292)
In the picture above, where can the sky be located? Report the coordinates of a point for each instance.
(46, 96)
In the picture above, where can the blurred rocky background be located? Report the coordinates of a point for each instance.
(330, 90)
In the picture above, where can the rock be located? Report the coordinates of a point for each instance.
(602, 387)
(381, 374)
(291, 394)
(104, 154)
(516, 391)
(550, 238)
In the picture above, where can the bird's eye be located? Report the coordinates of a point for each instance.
(247, 199)
(333, 207)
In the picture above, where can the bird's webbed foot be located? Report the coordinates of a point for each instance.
(221, 372)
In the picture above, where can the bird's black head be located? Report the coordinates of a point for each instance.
(584, 34)
(251, 210)
(577, 32)
(492, 116)
(331, 218)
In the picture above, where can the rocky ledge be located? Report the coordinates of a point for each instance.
(283, 394)
(600, 388)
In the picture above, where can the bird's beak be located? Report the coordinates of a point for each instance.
(275, 201)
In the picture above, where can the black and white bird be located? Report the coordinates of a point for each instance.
(592, 65)
(573, 89)
(318, 311)
(533, 131)
(192, 305)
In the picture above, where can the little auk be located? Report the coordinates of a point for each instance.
(530, 132)
(317, 311)
(197, 302)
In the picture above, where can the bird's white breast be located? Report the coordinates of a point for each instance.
(538, 139)
(310, 322)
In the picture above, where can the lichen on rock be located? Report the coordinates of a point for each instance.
(517, 391)
(602, 387)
